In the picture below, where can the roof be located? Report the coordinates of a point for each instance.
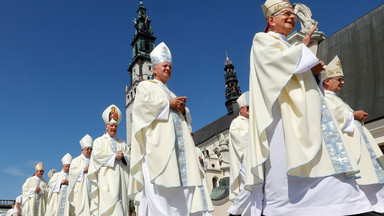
(213, 129)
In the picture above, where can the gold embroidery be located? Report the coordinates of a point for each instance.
(279, 6)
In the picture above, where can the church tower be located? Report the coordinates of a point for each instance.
(232, 88)
(140, 67)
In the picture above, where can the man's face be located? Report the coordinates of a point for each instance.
(39, 173)
(66, 167)
(244, 111)
(111, 129)
(162, 71)
(334, 84)
(283, 22)
(87, 151)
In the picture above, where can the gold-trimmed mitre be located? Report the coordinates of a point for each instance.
(270, 7)
(333, 69)
(39, 166)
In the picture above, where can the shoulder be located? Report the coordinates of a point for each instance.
(262, 39)
(238, 122)
(147, 83)
(262, 35)
(234, 123)
(329, 96)
(98, 140)
(76, 159)
(56, 175)
(29, 179)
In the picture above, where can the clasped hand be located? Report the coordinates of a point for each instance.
(178, 103)
(119, 155)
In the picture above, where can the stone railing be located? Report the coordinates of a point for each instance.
(6, 203)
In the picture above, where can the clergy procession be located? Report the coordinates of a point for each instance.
(295, 148)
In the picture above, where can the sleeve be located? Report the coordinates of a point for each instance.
(238, 138)
(307, 60)
(111, 161)
(54, 183)
(341, 113)
(56, 187)
(28, 189)
(350, 124)
(148, 106)
(80, 177)
(164, 115)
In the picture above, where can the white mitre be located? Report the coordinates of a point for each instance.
(161, 53)
(86, 141)
(243, 100)
(39, 166)
(271, 7)
(66, 159)
(112, 115)
(333, 69)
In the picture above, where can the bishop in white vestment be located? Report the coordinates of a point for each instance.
(79, 195)
(35, 193)
(164, 165)
(109, 169)
(238, 139)
(58, 185)
(364, 147)
(294, 146)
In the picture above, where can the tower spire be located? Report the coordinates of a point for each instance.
(232, 88)
(140, 67)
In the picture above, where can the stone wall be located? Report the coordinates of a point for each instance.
(360, 47)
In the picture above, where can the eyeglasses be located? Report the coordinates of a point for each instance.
(87, 149)
(340, 79)
(285, 13)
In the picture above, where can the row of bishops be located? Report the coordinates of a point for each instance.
(161, 173)
(94, 183)
(295, 149)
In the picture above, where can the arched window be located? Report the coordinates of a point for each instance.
(215, 182)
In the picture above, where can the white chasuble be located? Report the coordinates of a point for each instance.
(109, 177)
(34, 204)
(365, 151)
(238, 139)
(166, 146)
(57, 197)
(79, 189)
(294, 143)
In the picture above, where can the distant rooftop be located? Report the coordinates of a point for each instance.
(212, 129)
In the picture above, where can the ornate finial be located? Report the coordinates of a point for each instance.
(141, 3)
(227, 61)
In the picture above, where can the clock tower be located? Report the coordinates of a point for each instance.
(232, 88)
(140, 67)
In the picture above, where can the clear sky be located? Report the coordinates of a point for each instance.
(63, 62)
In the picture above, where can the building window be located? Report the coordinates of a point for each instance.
(215, 183)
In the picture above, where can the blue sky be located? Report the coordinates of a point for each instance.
(63, 62)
